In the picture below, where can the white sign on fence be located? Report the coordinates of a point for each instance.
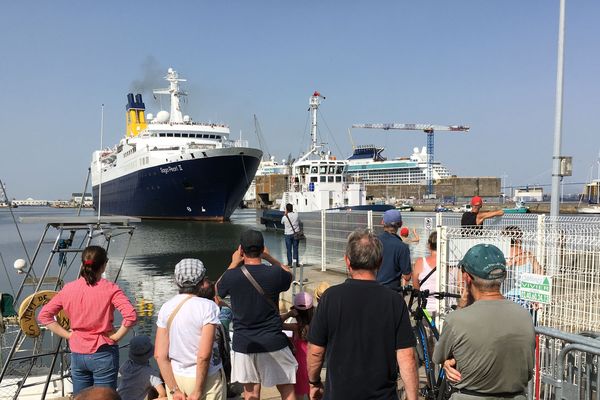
(537, 288)
(428, 221)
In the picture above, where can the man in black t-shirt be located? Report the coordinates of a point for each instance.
(472, 220)
(364, 329)
(261, 355)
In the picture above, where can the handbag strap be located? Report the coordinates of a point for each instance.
(292, 225)
(258, 287)
(175, 311)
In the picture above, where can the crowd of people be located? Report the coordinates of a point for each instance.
(360, 329)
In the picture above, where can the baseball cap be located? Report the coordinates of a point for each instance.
(404, 231)
(140, 349)
(252, 240)
(476, 200)
(303, 301)
(392, 217)
(485, 261)
(189, 272)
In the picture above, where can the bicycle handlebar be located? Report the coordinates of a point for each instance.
(405, 290)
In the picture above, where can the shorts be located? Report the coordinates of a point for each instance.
(215, 386)
(268, 369)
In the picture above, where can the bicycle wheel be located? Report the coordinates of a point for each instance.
(429, 391)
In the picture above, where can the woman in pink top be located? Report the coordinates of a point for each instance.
(90, 302)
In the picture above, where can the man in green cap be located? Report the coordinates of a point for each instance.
(487, 348)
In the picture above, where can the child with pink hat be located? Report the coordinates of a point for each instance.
(302, 311)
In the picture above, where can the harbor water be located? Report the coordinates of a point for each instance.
(147, 274)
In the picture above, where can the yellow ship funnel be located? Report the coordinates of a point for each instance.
(136, 119)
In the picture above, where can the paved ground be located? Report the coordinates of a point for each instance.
(272, 393)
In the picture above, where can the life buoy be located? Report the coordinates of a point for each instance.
(27, 312)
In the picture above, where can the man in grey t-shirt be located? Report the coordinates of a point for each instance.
(487, 348)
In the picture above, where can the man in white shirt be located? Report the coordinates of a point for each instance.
(291, 224)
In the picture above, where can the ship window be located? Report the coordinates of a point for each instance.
(184, 135)
(323, 169)
(331, 169)
(323, 178)
(340, 169)
(314, 170)
(330, 179)
(212, 136)
(178, 135)
(313, 178)
(338, 178)
(169, 135)
(161, 135)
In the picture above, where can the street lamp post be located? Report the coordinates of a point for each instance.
(556, 177)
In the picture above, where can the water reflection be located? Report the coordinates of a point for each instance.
(155, 248)
(147, 274)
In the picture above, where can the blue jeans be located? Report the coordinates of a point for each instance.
(292, 244)
(98, 369)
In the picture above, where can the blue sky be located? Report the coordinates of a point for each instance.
(488, 64)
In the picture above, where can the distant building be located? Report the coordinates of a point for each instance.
(529, 194)
(591, 192)
(30, 202)
(77, 197)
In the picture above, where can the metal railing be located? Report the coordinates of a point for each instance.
(566, 365)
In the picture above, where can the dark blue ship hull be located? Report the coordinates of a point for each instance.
(197, 189)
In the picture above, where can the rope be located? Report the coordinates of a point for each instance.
(7, 276)
(18, 230)
(245, 172)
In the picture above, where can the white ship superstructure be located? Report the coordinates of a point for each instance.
(368, 165)
(317, 180)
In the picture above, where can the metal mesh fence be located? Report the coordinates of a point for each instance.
(567, 249)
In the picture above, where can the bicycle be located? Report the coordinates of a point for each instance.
(437, 387)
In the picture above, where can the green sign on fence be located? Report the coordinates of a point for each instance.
(536, 288)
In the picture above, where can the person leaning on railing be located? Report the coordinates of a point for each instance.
(473, 220)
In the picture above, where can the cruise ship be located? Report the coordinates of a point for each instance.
(369, 166)
(170, 167)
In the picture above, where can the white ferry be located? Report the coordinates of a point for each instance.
(372, 168)
(170, 167)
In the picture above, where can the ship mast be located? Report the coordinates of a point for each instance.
(174, 91)
(314, 102)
